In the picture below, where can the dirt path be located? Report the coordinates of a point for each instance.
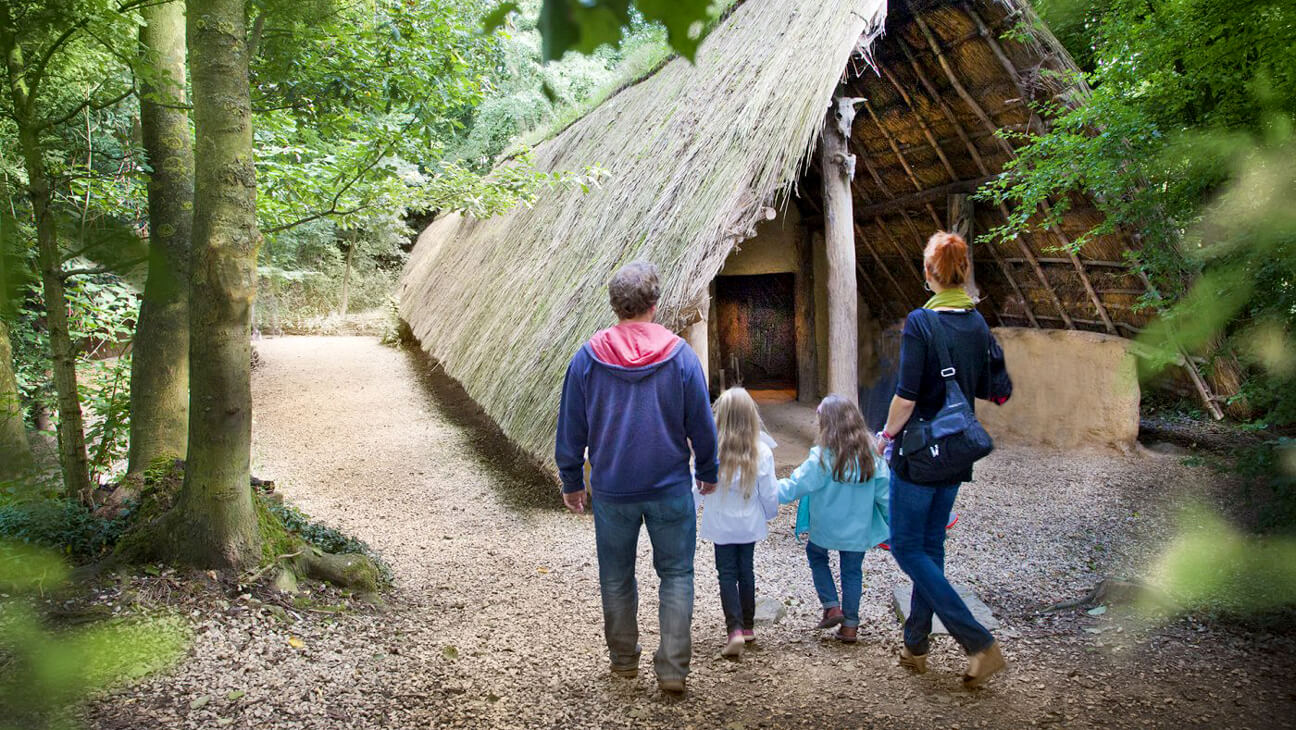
(495, 618)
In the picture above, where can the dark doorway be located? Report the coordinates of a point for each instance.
(757, 330)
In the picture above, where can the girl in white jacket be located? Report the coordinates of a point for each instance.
(734, 515)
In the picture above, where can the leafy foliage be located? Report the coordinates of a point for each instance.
(1188, 141)
(49, 671)
(62, 525)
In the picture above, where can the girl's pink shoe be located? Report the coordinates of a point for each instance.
(734, 647)
(749, 635)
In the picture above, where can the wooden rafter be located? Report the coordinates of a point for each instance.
(886, 271)
(909, 264)
(1011, 70)
(1025, 250)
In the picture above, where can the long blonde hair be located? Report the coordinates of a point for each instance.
(738, 426)
(842, 431)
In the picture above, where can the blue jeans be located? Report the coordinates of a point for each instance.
(737, 585)
(919, 514)
(852, 581)
(672, 529)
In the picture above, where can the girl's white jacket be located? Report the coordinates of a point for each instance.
(728, 519)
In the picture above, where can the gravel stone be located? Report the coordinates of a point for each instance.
(373, 441)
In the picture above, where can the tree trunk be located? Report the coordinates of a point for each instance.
(346, 279)
(838, 166)
(15, 452)
(214, 521)
(807, 368)
(160, 360)
(71, 433)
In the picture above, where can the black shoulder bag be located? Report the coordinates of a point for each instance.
(938, 450)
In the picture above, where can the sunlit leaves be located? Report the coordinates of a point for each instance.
(584, 25)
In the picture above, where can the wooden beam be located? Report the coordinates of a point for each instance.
(915, 199)
(863, 240)
(838, 165)
(804, 313)
(1011, 70)
(1025, 250)
(1088, 262)
(908, 261)
(959, 213)
(697, 335)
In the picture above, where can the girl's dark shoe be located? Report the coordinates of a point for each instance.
(832, 617)
(915, 662)
(983, 664)
(847, 634)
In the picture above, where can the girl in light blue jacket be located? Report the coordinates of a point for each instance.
(844, 490)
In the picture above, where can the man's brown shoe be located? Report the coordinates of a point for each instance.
(847, 634)
(983, 664)
(832, 617)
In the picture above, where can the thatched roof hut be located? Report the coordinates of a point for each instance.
(698, 157)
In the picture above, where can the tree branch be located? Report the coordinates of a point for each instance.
(92, 271)
(87, 104)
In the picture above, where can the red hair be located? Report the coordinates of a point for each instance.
(946, 258)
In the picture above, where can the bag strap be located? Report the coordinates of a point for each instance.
(942, 347)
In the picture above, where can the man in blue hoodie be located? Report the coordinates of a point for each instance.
(635, 396)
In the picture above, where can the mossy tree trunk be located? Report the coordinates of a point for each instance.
(15, 452)
(71, 433)
(160, 364)
(213, 523)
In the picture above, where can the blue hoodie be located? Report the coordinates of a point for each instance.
(637, 423)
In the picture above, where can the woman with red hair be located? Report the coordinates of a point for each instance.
(920, 511)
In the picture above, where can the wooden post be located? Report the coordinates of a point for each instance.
(838, 166)
(697, 337)
(807, 367)
(959, 211)
(715, 372)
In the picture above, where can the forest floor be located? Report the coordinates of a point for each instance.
(494, 619)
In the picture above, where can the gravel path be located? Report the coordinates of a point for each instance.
(495, 618)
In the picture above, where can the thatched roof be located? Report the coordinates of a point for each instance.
(697, 154)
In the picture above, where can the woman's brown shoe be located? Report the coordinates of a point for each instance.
(847, 634)
(915, 662)
(983, 664)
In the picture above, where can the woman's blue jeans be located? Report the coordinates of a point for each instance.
(852, 581)
(672, 530)
(919, 514)
(734, 567)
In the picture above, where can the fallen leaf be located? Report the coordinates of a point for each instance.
(235, 695)
(296, 643)
(200, 702)
(542, 569)
(1097, 611)
(450, 652)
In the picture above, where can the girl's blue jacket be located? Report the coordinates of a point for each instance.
(850, 516)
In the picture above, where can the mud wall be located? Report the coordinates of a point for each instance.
(1070, 389)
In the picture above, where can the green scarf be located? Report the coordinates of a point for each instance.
(950, 298)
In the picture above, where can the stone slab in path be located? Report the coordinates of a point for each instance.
(900, 596)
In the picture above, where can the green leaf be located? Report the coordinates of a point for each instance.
(497, 17)
(574, 25)
(685, 20)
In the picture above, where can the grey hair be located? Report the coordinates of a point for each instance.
(634, 289)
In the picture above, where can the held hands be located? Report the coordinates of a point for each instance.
(706, 487)
(575, 501)
(880, 442)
